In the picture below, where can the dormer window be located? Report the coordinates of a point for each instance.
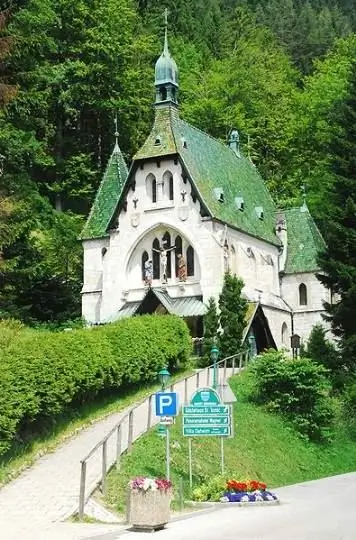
(259, 212)
(157, 140)
(240, 203)
(184, 143)
(219, 194)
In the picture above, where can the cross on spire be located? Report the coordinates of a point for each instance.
(116, 132)
(166, 13)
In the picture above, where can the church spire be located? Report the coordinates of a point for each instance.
(166, 73)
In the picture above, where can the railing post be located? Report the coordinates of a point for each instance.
(149, 412)
(104, 469)
(130, 432)
(186, 390)
(207, 376)
(197, 381)
(240, 361)
(118, 446)
(225, 365)
(233, 365)
(83, 475)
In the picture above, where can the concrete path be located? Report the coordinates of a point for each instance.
(48, 491)
(319, 510)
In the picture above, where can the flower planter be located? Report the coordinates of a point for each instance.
(149, 510)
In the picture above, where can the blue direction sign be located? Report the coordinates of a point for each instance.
(206, 415)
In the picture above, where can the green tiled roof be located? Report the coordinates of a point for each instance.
(107, 197)
(304, 241)
(212, 165)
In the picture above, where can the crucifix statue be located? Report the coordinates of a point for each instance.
(163, 260)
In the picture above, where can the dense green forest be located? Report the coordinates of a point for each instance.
(281, 71)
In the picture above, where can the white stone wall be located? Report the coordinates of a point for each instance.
(113, 265)
(305, 316)
(280, 323)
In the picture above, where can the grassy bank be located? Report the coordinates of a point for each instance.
(54, 432)
(264, 447)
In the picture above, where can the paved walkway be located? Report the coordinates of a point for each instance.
(48, 491)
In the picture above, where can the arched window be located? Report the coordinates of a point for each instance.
(168, 190)
(190, 261)
(303, 295)
(156, 259)
(285, 340)
(154, 190)
(151, 187)
(163, 93)
(144, 259)
(178, 251)
(166, 241)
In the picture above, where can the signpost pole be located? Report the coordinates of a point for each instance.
(190, 463)
(222, 450)
(168, 458)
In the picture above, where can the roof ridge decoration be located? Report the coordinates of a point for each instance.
(108, 194)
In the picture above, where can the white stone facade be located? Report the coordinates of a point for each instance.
(161, 203)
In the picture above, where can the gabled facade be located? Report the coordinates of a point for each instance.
(161, 235)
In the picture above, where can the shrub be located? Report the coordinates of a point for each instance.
(211, 490)
(350, 407)
(298, 389)
(42, 372)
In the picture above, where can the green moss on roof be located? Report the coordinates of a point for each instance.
(304, 241)
(107, 197)
(213, 165)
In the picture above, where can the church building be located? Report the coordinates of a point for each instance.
(161, 234)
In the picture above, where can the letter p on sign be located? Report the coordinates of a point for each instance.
(166, 404)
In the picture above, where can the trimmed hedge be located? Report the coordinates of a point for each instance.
(42, 373)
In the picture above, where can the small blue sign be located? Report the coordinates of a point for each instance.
(166, 404)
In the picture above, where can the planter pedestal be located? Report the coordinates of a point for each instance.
(148, 510)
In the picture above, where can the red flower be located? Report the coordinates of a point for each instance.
(262, 486)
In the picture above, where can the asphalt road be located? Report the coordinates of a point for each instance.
(319, 510)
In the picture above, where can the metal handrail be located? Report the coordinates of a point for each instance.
(129, 415)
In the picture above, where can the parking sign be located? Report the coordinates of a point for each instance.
(166, 404)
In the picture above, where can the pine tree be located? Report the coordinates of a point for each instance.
(211, 327)
(338, 262)
(323, 351)
(233, 307)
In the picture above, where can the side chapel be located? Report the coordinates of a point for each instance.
(161, 234)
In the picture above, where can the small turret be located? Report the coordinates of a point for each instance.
(166, 74)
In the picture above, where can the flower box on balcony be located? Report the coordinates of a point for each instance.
(149, 504)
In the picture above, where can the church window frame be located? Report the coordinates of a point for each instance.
(151, 187)
(156, 261)
(284, 334)
(303, 294)
(144, 258)
(190, 258)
